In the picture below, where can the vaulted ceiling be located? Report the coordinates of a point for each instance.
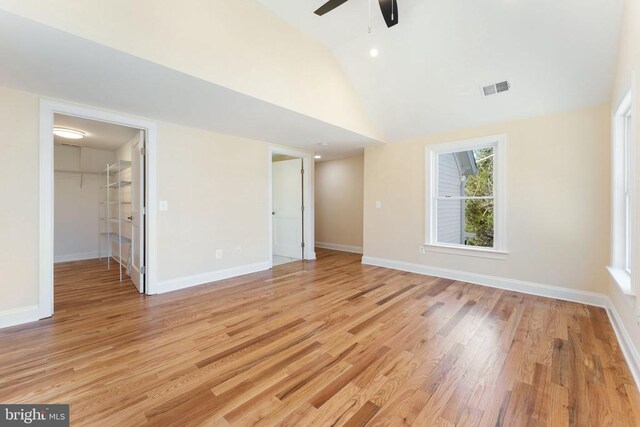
(294, 78)
(185, 67)
(557, 55)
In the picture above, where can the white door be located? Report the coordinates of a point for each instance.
(137, 213)
(287, 208)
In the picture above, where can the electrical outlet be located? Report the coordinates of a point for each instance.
(164, 205)
(423, 250)
(219, 254)
(238, 250)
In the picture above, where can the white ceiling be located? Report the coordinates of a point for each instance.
(557, 55)
(99, 135)
(43, 60)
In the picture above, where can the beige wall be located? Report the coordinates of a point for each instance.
(558, 176)
(628, 77)
(19, 195)
(237, 44)
(215, 185)
(339, 201)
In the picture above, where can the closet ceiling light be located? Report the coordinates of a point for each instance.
(68, 133)
(317, 156)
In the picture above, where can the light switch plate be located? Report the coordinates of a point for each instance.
(164, 205)
(378, 204)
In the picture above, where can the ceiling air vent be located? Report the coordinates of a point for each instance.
(496, 88)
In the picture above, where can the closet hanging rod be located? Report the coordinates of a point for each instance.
(72, 171)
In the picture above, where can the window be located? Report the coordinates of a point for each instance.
(466, 200)
(626, 137)
(623, 213)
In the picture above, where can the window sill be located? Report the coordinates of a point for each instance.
(466, 251)
(622, 279)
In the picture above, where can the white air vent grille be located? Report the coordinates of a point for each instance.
(496, 88)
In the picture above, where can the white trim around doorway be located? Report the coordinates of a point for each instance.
(47, 110)
(307, 199)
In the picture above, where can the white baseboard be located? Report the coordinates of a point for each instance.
(76, 257)
(18, 316)
(565, 294)
(626, 344)
(339, 247)
(213, 276)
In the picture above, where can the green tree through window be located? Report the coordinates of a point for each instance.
(479, 212)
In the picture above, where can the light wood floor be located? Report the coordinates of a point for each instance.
(329, 342)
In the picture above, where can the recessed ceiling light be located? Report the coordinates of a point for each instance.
(323, 144)
(317, 156)
(68, 133)
(373, 52)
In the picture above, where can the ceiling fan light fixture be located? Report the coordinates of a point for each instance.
(389, 9)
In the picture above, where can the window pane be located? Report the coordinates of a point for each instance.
(627, 195)
(466, 173)
(627, 155)
(466, 222)
(451, 221)
(627, 233)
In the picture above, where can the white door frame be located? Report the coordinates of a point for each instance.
(47, 110)
(307, 199)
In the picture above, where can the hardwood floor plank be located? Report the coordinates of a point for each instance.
(330, 389)
(364, 414)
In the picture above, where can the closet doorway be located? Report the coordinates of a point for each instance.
(99, 187)
(97, 183)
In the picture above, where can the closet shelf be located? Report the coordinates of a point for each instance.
(112, 179)
(117, 238)
(118, 184)
(117, 167)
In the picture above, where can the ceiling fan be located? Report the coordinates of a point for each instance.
(389, 9)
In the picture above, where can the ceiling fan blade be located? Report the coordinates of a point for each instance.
(389, 9)
(329, 6)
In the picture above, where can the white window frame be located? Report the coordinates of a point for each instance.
(623, 200)
(499, 145)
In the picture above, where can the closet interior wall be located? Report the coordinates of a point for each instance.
(77, 195)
